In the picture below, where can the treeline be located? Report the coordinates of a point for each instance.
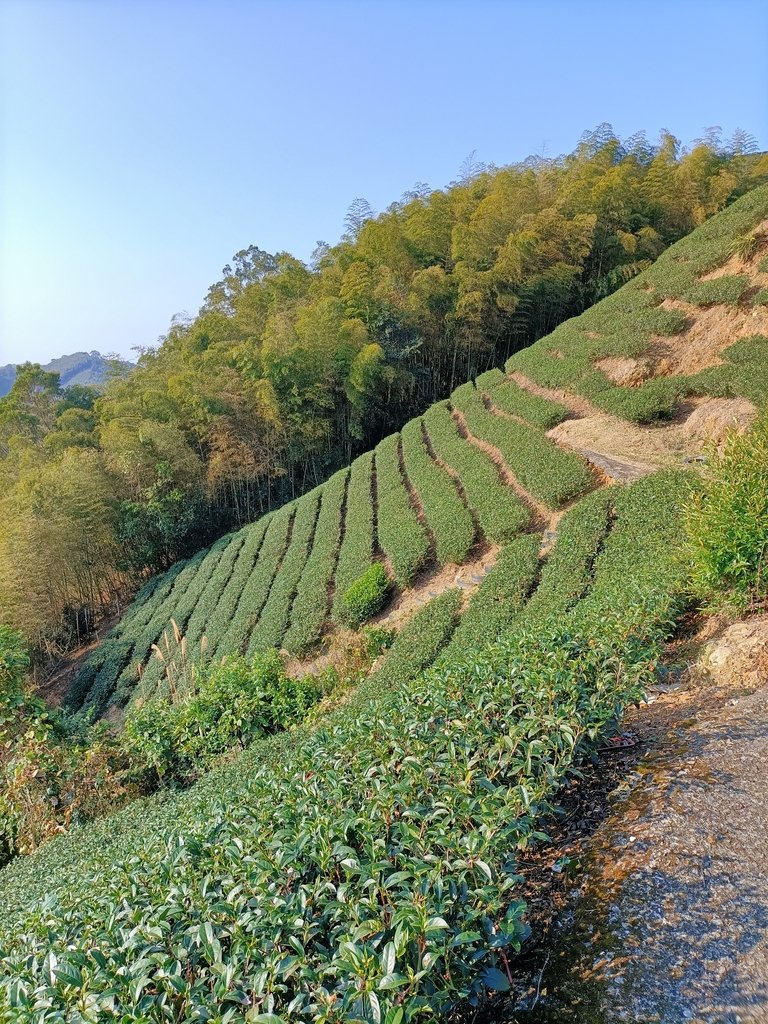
(289, 369)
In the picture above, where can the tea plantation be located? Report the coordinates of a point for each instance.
(362, 865)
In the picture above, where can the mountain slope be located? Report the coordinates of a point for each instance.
(637, 382)
(362, 868)
(78, 368)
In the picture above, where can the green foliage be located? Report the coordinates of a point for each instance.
(218, 624)
(500, 513)
(288, 371)
(414, 810)
(257, 586)
(760, 298)
(545, 470)
(232, 703)
(445, 512)
(14, 663)
(420, 640)
(727, 521)
(623, 324)
(412, 796)
(501, 596)
(310, 607)
(112, 668)
(504, 394)
(184, 603)
(367, 595)
(356, 552)
(637, 565)
(401, 536)
(273, 621)
(214, 587)
(726, 289)
(567, 572)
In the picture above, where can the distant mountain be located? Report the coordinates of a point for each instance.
(77, 368)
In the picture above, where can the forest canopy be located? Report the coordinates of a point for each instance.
(290, 369)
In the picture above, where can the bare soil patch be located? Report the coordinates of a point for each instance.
(737, 265)
(623, 370)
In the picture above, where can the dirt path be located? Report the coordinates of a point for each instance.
(669, 921)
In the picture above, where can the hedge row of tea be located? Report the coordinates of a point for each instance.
(425, 495)
(549, 473)
(625, 323)
(363, 869)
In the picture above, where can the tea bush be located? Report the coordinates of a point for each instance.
(499, 599)
(386, 842)
(310, 607)
(221, 618)
(273, 621)
(401, 536)
(500, 513)
(516, 401)
(545, 470)
(567, 572)
(257, 586)
(444, 511)
(366, 596)
(211, 594)
(356, 552)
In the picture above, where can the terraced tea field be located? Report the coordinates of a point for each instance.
(362, 866)
(499, 460)
(472, 472)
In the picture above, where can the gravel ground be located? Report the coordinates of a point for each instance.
(668, 919)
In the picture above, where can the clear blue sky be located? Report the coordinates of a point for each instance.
(146, 141)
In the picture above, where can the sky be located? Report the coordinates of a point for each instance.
(144, 142)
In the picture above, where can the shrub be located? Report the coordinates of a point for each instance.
(367, 595)
(233, 702)
(727, 522)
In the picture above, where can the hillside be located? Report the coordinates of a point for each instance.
(77, 368)
(362, 866)
(594, 402)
